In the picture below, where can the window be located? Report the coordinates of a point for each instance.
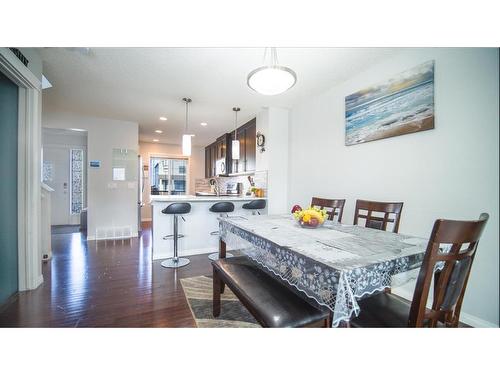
(168, 176)
(76, 176)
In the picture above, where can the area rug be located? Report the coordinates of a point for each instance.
(198, 293)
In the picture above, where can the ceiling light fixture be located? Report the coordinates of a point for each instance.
(203, 124)
(235, 144)
(163, 118)
(186, 138)
(156, 140)
(272, 78)
(159, 131)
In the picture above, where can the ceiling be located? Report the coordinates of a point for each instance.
(142, 84)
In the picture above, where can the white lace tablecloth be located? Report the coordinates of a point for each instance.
(335, 265)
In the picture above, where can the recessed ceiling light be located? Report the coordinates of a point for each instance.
(163, 118)
(159, 131)
(155, 140)
(203, 124)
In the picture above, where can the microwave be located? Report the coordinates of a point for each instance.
(220, 166)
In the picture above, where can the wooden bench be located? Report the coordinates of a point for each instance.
(271, 303)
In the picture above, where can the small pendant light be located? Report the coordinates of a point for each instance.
(186, 138)
(235, 145)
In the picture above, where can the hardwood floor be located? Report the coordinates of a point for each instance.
(105, 284)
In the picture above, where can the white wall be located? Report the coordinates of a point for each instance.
(273, 122)
(196, 167)
(107, 206)
(448, 172)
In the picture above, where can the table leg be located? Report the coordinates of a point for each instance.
(222, 255)
(216, 294)
(222, 248)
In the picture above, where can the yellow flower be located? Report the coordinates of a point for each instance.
(306, 218)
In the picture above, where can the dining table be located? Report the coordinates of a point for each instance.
(335, 264)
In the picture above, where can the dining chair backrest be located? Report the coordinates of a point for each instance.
(461, 238)
(368, 210)
(334, 207)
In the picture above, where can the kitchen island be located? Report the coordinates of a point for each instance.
(200, 222)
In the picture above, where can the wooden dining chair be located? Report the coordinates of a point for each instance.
(391, 214)
(388, 310)
(334, 207)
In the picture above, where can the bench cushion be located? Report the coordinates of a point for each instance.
(271, 303)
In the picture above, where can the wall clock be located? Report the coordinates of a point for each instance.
(261, 140)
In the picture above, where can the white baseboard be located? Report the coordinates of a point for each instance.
(35, 285)
(476, 322)
(39, 281)
(465, 318)
(93, 238)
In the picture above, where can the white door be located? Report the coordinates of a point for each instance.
(57, 167)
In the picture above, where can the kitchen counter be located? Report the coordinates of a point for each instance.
(155, 199)
(200, 222)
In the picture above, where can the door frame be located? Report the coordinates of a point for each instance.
(29, 169)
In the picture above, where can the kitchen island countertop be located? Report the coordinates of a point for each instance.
(199, 227)
(155, 199)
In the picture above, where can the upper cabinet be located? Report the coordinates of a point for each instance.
(221, 151)
(246, 136)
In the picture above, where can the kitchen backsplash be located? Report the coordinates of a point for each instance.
(229, 184)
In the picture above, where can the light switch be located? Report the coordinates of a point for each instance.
(112, 185)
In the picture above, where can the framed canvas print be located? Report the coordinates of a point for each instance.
(401, 105)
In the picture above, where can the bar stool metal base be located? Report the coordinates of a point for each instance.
(175, 262)
(215, 256)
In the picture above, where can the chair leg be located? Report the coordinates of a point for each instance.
(345, 324)
(216, 294)
(329, 320)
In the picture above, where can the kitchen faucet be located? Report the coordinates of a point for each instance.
(213, 182)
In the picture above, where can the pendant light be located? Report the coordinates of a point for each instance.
(272, 78)
(235, 144)
(186, 138)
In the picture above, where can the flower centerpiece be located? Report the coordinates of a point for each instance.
(311, 217)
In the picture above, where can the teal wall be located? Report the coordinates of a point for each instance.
(8, 188)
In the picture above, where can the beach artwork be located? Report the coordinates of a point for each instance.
(402, 105)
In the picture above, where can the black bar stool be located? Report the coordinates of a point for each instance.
(222, 208)
(176, 209)
(255, 205)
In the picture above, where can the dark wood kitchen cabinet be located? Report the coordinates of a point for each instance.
(210, 158)
(246, 135)
(221, 150)
(208, 162)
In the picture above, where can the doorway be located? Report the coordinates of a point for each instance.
(9, 115)
(64, 153)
